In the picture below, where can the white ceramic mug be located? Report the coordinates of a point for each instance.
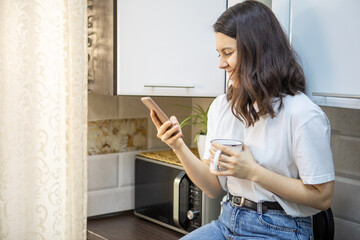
(235, 144)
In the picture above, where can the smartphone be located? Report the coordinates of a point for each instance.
(151, 105)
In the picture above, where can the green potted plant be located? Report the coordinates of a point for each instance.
(198, 118)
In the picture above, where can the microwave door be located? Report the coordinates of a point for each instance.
(181, 200)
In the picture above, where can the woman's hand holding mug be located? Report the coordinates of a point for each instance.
(232, 158)
(234, 144)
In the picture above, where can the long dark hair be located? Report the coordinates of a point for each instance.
(267, 67)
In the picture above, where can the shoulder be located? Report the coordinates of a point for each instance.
(218, 103)
(301, 107)
(219, 109)
(300, 110)
(220, 99)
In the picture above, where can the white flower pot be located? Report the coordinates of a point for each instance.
(201, 145)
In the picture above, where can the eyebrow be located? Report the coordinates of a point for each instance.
(226, 48)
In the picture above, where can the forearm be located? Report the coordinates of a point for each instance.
(197, 171)
(170, 133)
(294, 190)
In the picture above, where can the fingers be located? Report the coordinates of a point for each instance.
(167, 131)
(174, 120)
(172, 140)
(233, 162)
(224, 157)
(155, 119)
(227, 151)
(163, 127)
(225, 170)
(209, 161)
(212, 169)
(228, 159)
(224, 149)
(223, 165)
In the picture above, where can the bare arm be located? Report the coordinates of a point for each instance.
(243, 165)
(197, 171)
(318, 196)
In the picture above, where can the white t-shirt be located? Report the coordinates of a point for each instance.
(295, 143)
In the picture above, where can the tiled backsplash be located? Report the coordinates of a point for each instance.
(117, 135)
(345, 145)
(345, 140)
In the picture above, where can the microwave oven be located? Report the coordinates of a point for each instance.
(164, 194)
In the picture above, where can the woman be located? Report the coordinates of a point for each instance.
(285, 172)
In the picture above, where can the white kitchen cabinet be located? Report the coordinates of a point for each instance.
(326, 35)
(281, 9)
(167, 48)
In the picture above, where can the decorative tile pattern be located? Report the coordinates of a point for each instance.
(117, 135)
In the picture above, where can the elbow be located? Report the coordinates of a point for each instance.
(325, 196)
(325, 201)
(214, 189)
(212, 196)
(325, 204)
(214, 193)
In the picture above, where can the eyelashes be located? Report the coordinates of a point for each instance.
(226, 54)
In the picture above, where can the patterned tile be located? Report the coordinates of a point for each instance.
(117, 135)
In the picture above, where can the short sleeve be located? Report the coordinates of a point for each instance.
(312, 151)
(211, 126)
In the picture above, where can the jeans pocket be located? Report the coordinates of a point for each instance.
(278, 222)
(305, 230)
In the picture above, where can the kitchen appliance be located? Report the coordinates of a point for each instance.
(164, 194)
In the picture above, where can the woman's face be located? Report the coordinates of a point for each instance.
(226, 46)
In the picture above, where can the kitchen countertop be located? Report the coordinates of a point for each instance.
(167, 156)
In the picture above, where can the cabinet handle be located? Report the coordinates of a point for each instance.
(335, 95)
(169, 86)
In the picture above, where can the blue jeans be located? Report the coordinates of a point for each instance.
(237, 223)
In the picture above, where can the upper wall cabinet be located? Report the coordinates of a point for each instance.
(281, 9)
(159, 48)
(326, 35)
(167, 47)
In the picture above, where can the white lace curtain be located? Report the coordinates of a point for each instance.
(43, 119)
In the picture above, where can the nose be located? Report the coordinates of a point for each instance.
(223, 63)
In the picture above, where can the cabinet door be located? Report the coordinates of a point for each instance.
(167, 48)
(281, 9)
(326, 35)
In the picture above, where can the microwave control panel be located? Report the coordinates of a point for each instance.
(190, 205)
(195, 204)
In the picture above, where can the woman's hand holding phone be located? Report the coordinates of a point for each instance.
(169, 130)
